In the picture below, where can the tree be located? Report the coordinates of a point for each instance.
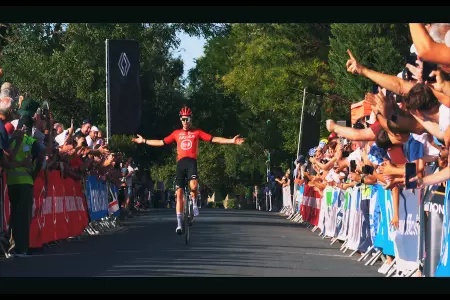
(271, 65)
(380, 47)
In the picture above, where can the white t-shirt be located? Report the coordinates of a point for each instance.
(332, 176)
(430, 153)
(444, 117)
(60, 138)
(355, 155)
(90, 142)
(130, 179)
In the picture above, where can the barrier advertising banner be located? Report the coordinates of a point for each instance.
(310, 208)
(406, 243)
(58, 212)
(374, 214)
(339, 211)
(443, 269)
(386, 233)
(113, 206)
(365, 239)
(354, 225)
(97, 198)
(345, 213)
(434, 208)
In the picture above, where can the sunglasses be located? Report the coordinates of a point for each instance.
(185, 119)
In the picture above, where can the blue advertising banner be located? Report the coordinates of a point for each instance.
(374, 214)
(97, 198)
(443, 269)
(386, 233)
(365, 240)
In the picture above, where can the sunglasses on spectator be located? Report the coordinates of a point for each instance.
(186, 119)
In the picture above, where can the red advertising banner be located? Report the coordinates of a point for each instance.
(59, 212)
(310, 207)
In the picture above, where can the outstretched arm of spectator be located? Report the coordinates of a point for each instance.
(326, 166)
(387, 168)
(395, 201)
(389, 82)
(427, 49)
(430, 126)
(436, 178)
(351, 133)
(141, 140)
(347, 185)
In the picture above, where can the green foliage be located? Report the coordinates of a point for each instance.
(380, 47)
(211, 165)
(271, 65)
(65, 65)
(232, 204)
(166, 170)
(249, 74)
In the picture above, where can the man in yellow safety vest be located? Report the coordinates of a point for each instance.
(20, 178)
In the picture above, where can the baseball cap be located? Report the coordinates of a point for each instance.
(9, 128)
(300, 159)
(312, 151)
(332, 135)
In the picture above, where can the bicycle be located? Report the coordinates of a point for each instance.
(188, 207)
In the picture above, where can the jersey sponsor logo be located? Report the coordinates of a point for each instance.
(184, 136)
(186, 144)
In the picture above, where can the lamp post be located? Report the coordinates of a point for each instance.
(268, 190)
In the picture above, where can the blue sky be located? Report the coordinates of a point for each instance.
(190, 49)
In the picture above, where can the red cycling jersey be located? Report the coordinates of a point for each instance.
(187, 141)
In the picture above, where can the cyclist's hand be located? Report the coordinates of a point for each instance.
(237, 140)
(138, 140)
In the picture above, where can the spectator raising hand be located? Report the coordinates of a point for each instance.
(416, 71)
(441, 85)
(352, 65)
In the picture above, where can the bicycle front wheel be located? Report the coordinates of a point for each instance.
(186, 218)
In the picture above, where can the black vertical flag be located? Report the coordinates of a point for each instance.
(124, 105)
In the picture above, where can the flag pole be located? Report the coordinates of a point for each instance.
(301, 124)
(108, 113)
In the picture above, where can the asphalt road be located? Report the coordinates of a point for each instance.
(223, 243)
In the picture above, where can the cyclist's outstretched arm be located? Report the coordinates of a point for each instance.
(154, 143)
(220, 140)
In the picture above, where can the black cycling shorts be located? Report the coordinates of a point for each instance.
(186, 168)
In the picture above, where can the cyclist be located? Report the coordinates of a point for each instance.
(187, 150)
